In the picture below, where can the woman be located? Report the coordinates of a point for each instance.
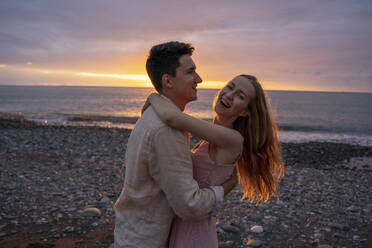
(243, 132)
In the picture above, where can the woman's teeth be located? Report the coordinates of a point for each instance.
(224, 104)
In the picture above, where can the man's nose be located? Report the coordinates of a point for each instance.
(198, 79)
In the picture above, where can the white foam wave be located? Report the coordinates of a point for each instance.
(303, 137)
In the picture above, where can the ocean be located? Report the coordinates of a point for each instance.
(301, 116)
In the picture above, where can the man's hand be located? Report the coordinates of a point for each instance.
(230, 183)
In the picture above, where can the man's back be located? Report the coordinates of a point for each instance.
(158, 182)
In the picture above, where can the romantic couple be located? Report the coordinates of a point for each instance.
(170, 193)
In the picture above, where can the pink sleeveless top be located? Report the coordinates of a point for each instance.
(200, 233)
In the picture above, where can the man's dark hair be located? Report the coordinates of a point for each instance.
(164, 59)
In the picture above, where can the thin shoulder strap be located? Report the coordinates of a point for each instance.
(197, 145)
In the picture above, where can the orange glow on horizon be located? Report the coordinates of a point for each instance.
(61, 77)
(138, 77)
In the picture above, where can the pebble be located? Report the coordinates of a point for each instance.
(327, 229)
(91, 212)
(56, 172)
(2, 226)
(105, 201)
(69, 229)
(353, 208)
(254, 243)
(315, 241)
(73, 209)
(226, 244)
(230, 228)
(324, 246)
(339, 226)
(318, 236)
(339, 235)
(257, 229)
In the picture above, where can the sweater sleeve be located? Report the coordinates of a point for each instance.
(171, 168)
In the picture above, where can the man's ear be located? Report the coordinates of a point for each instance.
(166, 81)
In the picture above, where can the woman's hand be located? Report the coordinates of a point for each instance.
(164, 108)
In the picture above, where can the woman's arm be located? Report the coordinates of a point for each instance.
(220, 136)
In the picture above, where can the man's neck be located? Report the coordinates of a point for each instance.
(181, 106)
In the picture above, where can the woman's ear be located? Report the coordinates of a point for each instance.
(166, 81)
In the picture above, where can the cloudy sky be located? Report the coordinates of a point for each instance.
(323, 45)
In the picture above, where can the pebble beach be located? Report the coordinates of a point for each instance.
(58, 185)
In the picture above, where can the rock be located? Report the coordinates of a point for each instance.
(226, 244)
(284, 225)
(10, 217)
(72, 209)
(315, 241)
(235, 237)
(318, 236)
(257, 229)
(339, 226)
(254, 243)
(231, 229)
(69, 229)
(324, 246)
(51, 175)
(105, 201)
(327, 229)
(2, 226)
(339, 235)
(353, 208)
(91, 212)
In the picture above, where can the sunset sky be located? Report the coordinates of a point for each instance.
(288, 44)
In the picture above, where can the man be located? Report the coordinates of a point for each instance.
(159, 176)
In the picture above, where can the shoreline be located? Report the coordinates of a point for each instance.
(288, 134)
(51, 175)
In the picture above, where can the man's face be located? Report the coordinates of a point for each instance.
(185, 81)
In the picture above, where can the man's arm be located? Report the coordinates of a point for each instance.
(171, 168)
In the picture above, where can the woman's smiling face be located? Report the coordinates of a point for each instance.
(233, 99)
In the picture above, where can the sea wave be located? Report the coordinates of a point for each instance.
(287, 133)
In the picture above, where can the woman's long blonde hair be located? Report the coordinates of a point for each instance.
(261, 164)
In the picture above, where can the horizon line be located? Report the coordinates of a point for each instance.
(150, 87)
